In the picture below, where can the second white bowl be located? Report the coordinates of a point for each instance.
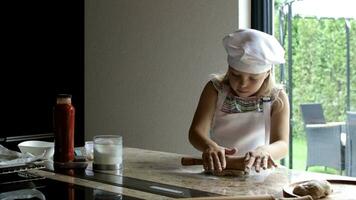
(37, 148)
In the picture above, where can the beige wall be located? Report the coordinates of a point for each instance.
(244, 13)
(146, 62)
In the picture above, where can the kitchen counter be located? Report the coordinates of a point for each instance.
(161, 170)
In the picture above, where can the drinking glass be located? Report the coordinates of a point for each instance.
(107, 152)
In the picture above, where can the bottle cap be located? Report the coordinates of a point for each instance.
(64, 96)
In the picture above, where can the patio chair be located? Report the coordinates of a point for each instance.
(324, 140)
(351, 144)
(312, 113)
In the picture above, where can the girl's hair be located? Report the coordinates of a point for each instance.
(269, 86)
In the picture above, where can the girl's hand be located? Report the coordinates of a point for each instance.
(214, 158)
(259, 158)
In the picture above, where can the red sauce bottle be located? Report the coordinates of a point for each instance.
(63, 117)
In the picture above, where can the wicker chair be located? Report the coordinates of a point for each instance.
(351, 144)
(324, 143)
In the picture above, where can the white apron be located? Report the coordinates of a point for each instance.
(243, 130)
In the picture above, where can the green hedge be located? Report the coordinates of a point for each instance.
(319, 66)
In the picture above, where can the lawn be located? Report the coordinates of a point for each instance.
(300, 157)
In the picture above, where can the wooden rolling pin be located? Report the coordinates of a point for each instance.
(258, 197)
(235, 163)
(186, 161)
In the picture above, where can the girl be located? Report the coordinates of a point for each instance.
(245, 112)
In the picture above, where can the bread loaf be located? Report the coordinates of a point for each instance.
(315, 188)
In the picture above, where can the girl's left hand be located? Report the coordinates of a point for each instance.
(259, 158)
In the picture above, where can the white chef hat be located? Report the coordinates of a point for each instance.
(252, 51)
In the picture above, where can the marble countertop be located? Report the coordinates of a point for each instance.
(166, 168)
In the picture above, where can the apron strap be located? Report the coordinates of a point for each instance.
(267, 116)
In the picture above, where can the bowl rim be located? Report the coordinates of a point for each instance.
(36, 143)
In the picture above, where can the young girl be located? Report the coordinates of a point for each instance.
(243, 112)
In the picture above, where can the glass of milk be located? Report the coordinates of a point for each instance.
(107, 152)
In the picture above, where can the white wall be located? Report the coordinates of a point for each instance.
(146, 62)
(244, 13)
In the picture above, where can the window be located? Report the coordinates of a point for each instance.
(320, 69)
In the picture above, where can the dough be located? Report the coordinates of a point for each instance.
(315, 188)
(228, 172)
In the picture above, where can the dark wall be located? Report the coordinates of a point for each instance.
(43, 55)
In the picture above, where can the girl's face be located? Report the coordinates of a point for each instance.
(245, 84)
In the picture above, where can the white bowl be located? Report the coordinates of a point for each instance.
(37, 148)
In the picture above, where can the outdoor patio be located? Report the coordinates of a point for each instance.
(319, 38)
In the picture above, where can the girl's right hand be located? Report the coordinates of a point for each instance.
(259, 158)
(214, 158)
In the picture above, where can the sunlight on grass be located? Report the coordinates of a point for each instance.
(299, 153)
